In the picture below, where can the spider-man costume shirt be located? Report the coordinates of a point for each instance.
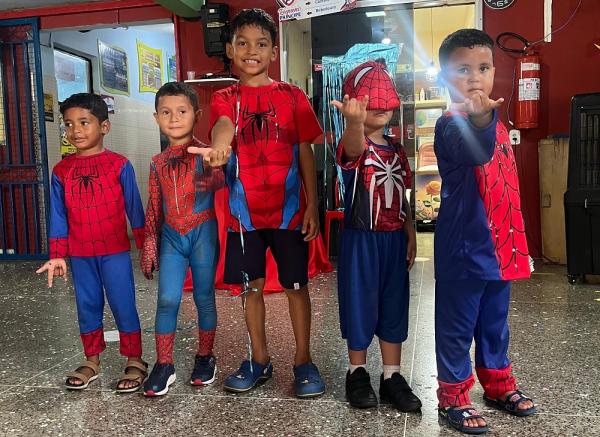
(89, 197)
(263, 172)
(375, 184)
(480, 232)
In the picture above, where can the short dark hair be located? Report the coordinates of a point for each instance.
(463, 38)
(177, 89)
(253, 17)
(92, 102)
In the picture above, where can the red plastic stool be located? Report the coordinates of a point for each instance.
(337, 214)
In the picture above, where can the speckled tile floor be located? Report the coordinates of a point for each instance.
(555, 349)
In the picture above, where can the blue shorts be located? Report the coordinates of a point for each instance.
(373, 287)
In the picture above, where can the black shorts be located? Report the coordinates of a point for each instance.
(289, 250)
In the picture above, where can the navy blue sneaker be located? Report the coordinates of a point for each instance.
(205, 370)
(161, 377)
(307, 381)
(245, 379)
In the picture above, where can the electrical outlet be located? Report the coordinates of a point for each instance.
(515, 136)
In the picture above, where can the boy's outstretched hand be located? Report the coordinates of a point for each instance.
(479, 107)
(353, 110)
(310, 225)
(212, 157)
(54, 267)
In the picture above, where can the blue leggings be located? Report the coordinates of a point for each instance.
(466, 310)
(92, 275)
(198, 249)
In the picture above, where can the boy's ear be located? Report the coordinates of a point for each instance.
(156, 116)
(274, 53)
(229, 50)
(105, 127)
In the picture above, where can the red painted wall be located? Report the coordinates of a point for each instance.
(570, 65)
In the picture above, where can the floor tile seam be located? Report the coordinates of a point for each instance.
(414, 349)
(22, 383)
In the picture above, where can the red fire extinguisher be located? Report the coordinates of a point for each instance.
(527, 82)
(527, 86)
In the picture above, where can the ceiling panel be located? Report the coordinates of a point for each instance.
(26, 4)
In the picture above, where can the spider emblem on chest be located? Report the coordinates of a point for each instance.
(86, 181)
(259, 125)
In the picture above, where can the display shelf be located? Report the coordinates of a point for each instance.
(213, 81)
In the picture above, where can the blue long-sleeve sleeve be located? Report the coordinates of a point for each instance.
(59, 226)
(461, 143)
(133, 203)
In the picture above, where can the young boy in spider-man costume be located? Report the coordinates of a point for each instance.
(480, 243)
(90, 193)
(378, 244)
(270, 125)
(181, 216)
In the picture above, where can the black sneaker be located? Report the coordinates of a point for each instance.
(397, 391)
(161, 377)
(359, 391)
(205, 370)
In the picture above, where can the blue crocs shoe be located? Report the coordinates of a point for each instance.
(161, 377)
(244, 379)
(307, 381)
(205, 370)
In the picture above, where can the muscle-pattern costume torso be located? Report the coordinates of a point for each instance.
(375, 187)
(263, 174)
(90, 196)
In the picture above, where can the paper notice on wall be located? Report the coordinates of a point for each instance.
(529, 89)
(300, 9)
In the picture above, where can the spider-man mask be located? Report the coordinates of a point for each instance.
(372, 79)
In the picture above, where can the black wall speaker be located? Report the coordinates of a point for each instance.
(215, 23)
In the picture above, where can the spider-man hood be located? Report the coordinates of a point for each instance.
(372, 79)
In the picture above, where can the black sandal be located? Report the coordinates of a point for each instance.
(456, 418)
(511, 404)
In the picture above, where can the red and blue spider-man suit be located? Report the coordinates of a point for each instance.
(374, 295)
(480, 246)
(181, 215)
(263, 173)
(89, 197)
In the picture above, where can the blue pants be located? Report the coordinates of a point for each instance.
(92, 276)
(198, 249)
(373, 287)
(467, 310)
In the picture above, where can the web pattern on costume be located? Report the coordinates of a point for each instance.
(384, 174)
(499, 190)
(180, 190)
(265, 129)
(93, 197)
(372, 79)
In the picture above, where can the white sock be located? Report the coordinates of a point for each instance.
(353, 367)
(388, 371)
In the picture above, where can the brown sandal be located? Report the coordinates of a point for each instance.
(133, 376)
(82, 376)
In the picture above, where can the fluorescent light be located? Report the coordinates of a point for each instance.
(375, 14)
(386, 40)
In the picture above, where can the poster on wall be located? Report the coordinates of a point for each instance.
(299, 9)
(110, 102)
(428, 186)
(150, 68)
(172, 68)
(66, 148)
(48, 107)
(114, 76)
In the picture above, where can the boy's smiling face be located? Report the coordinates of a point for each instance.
(252, 50)
(469, 70)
